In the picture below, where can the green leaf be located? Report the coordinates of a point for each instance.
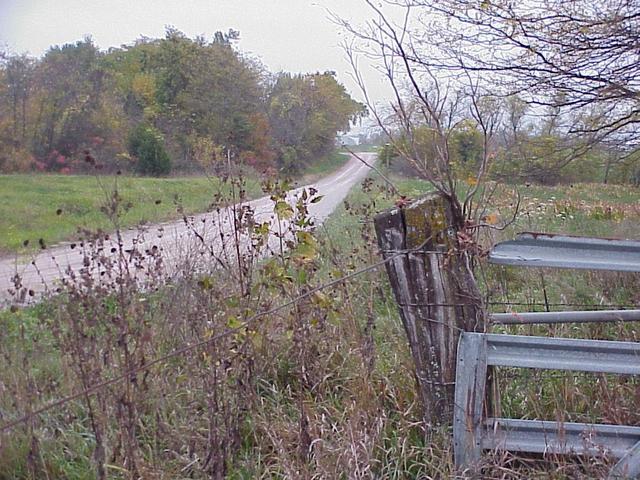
(233, 322)
(305, 237)
(283, 210)
(205, 283)
(262, 229)
(307, 247)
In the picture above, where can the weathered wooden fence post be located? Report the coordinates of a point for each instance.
(435, 290)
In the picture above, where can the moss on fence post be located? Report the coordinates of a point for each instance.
(437, 296)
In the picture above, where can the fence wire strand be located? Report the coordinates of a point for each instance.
(393, 254)
(195, 346)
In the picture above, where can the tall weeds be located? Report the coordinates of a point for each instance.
(192, 369)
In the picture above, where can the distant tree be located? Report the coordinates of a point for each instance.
(56, 107)
(261, 154)
(70, 86)
(191, 88)
(305, 113)
(146, 145)
(16, 78)
(199, 95)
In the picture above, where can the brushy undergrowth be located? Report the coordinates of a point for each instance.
(217, 381)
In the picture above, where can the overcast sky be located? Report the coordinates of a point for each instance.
(289, 35)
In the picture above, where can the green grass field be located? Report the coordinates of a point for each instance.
(53, 207)
(328, 164)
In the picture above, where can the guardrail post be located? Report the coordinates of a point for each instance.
(471, 378)
(436, 293)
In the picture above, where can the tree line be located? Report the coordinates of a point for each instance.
(543, 90)
(158, 105)
(524, 147)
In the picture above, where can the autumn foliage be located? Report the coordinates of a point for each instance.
(191, 93)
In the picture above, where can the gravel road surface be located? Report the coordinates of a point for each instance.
(176, 240)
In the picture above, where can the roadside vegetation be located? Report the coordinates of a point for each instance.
(282, 354)
(322, 387)
(328, 164)
(55, 207)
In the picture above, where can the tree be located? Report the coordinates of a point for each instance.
(193, 90)
(16, 72)
(576, 59)
(200, 95)
(146, 145)
(305, 113)
(553, 53)
(428, 110)
(70, 83)
(572, 64)
(56, 107)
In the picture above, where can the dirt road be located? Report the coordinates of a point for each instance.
(176, 240)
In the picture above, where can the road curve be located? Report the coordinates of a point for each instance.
(176, 240)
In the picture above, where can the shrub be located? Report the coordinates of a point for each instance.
(147, 145)
(289, 160)
(16, 159)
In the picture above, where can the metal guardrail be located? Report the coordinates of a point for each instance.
(478, 353)
(588, 316)
(473, 432)
(563, 354)
(564, 251)
(540, 436)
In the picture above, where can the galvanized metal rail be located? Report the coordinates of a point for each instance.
(540, 436)
(586, 316)
(563, 354)
(563, 251)
(473, 432)
(478, 353)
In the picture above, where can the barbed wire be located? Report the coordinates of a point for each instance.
(93, 389)
(195, 346)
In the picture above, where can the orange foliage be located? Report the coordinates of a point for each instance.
(261, 156)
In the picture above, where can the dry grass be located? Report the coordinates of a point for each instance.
(322, 389)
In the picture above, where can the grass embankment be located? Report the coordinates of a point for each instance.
(333, 161)
(53, 207)
(329, 163)
(364, 148)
